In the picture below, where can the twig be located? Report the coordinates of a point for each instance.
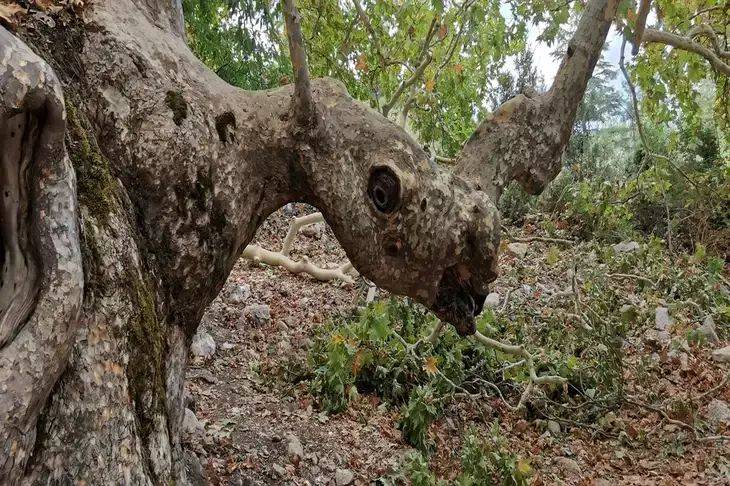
(637, 115)
(506, 301)
(665, 416)
(543, 239)
(631, 275)
(424, 59)
(714, 388)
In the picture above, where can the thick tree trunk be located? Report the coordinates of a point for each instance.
(122, 151)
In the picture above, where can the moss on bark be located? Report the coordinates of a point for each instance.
(94, 181)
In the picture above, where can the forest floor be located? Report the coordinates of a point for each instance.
(260, 427)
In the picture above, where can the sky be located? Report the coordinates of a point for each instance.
(548, 66)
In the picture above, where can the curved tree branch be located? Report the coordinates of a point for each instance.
(524, 138)
(687, 44)
(643, 13)
(304, 109)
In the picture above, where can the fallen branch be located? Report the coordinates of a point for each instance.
(261, 255)
(544, 239)
(295, 226)
(519, 350)
(281, 258)
(634, 401)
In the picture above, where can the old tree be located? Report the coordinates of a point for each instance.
(133, 178)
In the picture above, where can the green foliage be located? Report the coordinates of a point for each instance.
(239, 40)
(417, 415)
(490, 461)
(485, 460)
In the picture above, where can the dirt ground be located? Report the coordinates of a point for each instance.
(255, 420)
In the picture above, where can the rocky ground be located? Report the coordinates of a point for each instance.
(250, 421)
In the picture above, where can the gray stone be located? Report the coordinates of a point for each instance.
(626, 247)
(553, 427)
(193, 430)
(568, 465)
(492, 300)
(295, 449)
(313, 230)
(194, 469)
(718, 412)
(279, 470)
(662, 320)
(657, 338)
(226, 346)
(240, 293)
(203, 345)
(343, 477)
(518, 249)
(258, 314)
(722, 355)
(707, 330)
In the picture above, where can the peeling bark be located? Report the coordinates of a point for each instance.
(175, 171)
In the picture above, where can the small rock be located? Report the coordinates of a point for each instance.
(518, 249)
(327, 464)
(193, 430)
(553, 427)
(521, 425)
(662, 319)
(568, 465)
(684, 361)
(657, 338)
(626, 247)
(240, 294)
(492, 299)
(226, 346)
(722, 355)
(258, 314)
(279, 470)
(290, 209)
(194, 469)
(718, 412)
(284, 347)
(295, 449)
(343, 477)
(207, 376)
(313, 230)
(203, 345)
(707, 330)
(281, 326)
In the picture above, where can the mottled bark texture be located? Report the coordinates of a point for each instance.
(169, 172)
